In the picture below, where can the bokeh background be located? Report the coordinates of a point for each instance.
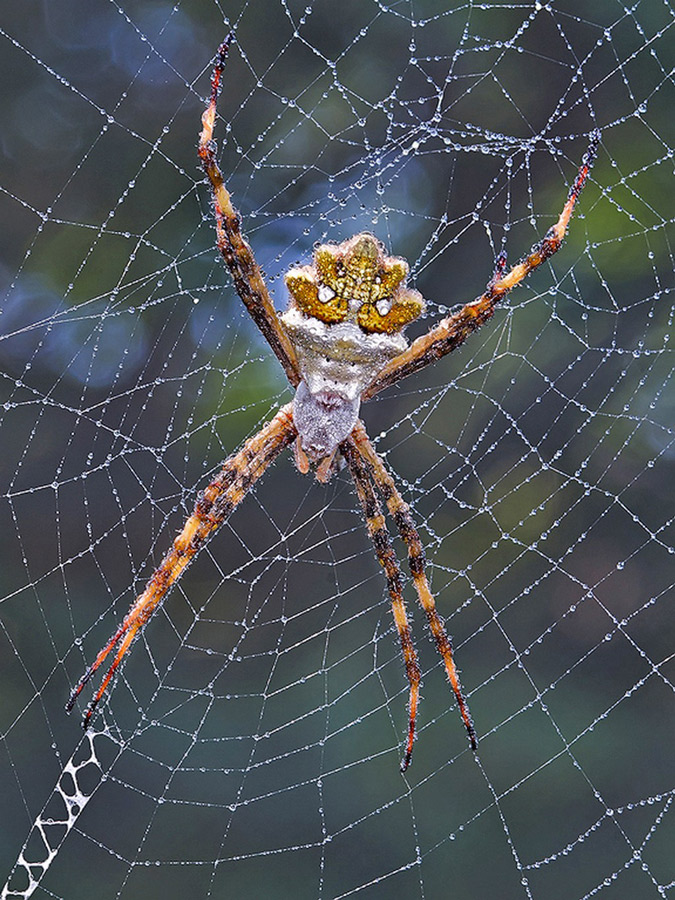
(251, 746)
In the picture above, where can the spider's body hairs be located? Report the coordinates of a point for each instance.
(339, 342)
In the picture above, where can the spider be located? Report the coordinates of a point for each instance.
(340, 342)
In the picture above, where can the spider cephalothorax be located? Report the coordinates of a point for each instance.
(355, 281)
(345, 318)
(339, 343)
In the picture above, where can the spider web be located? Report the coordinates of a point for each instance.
(251, 744)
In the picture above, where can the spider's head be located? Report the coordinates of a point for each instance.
(357, 281)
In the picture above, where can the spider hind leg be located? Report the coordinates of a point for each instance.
(379, 535)
(214, 506)
(408, 533)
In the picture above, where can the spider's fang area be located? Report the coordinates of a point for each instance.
(300, 457)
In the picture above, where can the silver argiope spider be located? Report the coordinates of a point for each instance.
(340, 342)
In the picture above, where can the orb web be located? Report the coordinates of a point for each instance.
(251, 743)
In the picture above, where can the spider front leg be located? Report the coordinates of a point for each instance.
(454, 330)
(214, 506)
(238, 256)
(377, 530)
(400, 513)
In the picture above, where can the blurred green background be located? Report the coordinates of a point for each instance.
(251, 745)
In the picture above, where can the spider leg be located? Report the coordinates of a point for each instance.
(377, 530)
(454, 329)
(238, 256)
(400, 512)
(214, 506)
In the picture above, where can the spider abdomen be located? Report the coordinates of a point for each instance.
(323, 419)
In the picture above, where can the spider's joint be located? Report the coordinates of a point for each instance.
(417, 563)
(551, 243)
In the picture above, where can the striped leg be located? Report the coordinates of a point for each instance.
(238, 256)
(400, 512)
(455, 329)
(214, 506)
(387, 558)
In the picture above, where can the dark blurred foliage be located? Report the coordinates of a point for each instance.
(256, 729)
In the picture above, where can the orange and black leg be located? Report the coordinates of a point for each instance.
(454, 330)
(238, 256)
(400, 513)
(377, 530)
(214, 506)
